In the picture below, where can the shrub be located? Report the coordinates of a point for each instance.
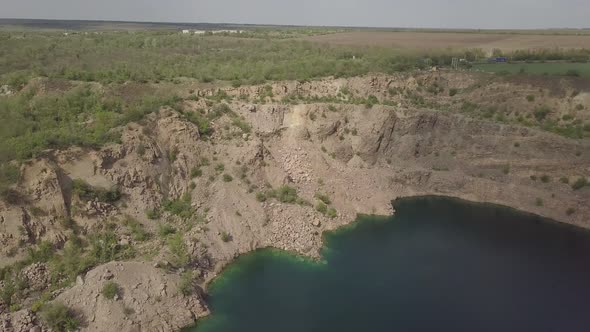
(141, 149)
(179, 251)
(324, 198)
(573, 73)
(104, 247)
(530, 98)
(506, 169)
(570, 211)
(539, 202)
(59, 317)
(453, 92)
(110, 290)
(71, 261)
(219, 168)
(227, 178)
(137, 231)
(564, 179)
(204, 162)
(196, 172)
(180, 207)
(245, 127)
(580, 183)
(534, 177)
(153, 214)
(321, 207)
(43, 253)
(86, 192)
(9, 175)
(286, 194)
(579, 107)
(331, 213)
(165, 229)
(225, 237)
(545, 178)
(187, 283)
(541, 113)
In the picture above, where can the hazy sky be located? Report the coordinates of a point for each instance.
(382, 13)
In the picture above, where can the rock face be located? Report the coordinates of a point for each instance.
(149, 300)
(361, 156)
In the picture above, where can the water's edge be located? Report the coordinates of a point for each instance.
(359, 220)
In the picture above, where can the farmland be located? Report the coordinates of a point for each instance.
(453, 40)
(562, 69)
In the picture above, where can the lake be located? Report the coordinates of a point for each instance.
(440, 264)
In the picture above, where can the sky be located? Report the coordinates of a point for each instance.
(479, 14)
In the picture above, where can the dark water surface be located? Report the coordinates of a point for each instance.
(439, 265)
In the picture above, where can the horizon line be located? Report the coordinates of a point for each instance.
(284, 25)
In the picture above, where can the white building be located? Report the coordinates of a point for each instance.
(185, 31)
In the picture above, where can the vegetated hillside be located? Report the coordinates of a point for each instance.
(253, 57)
(174, 188)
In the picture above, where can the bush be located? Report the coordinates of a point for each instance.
(570, 211)
(196, 172)
(324, 198)
(579, 184)
(564, 179)
(59, 317)
(219, 168)
(541, 113)
(140, 149)
(453, 92)
(186, 286)
(321, 207)
(227, 178)
(506, 169)
(110, 290)
(9, 175)
(104, 247)
(545, 178)
(70, 262)
(42, 254)
(226, 237)
(332, 213)
(286, 194)
(137, 231)
(179, 251)
(180, 207)
(153, 214)
(538, 202)
(86, 192)
(165, 229)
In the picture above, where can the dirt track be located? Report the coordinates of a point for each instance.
(443, 40)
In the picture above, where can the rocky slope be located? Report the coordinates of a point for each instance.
(223, 192)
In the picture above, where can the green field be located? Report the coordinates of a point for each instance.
(565, 69)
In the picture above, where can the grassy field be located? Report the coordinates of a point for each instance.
(565, 69)
(164, 56)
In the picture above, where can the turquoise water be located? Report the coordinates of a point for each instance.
(439, 265)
